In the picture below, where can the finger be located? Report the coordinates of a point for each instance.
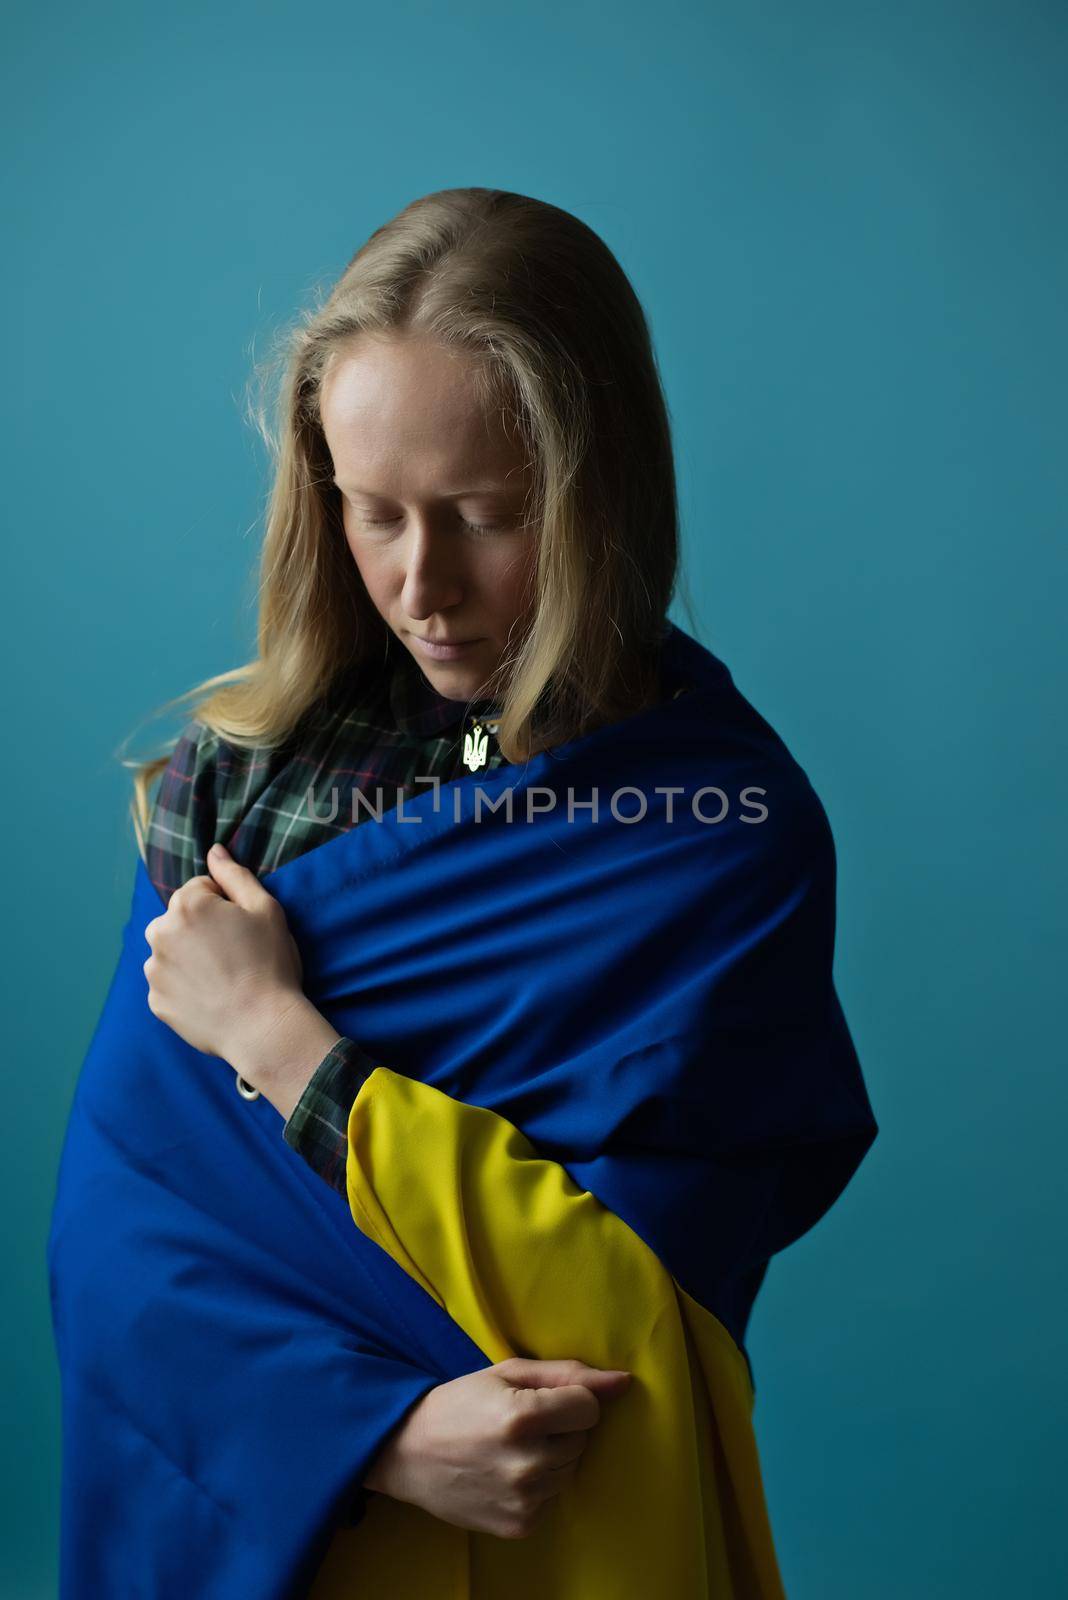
(199, 886)
(526, 1373)
(239, 884)
(537, 1412)
(559, 1450)
(542, 1479)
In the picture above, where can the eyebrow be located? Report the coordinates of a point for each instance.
(455, 494)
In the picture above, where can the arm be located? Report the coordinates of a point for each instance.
(501, 1238)
(554, 1288)
(225, 974)
(522, 1259)
(317, 1126)
(531, 1265)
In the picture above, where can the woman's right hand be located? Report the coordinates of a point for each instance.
(487, 1450)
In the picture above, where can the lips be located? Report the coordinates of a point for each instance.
(444, 644)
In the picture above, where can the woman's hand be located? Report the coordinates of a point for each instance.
(225, 973)
(488, 1450)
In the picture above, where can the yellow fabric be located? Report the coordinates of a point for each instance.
(667, 1502)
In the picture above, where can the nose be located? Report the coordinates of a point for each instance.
(432, 579)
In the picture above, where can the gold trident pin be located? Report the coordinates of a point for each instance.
(476, 744)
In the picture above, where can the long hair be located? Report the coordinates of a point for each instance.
(560, 348)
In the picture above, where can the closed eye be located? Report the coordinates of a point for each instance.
(475, 527)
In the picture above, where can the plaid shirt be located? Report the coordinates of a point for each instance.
(374, 734)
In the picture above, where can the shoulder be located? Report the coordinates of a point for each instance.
(211, 786)
(190, 804)
(756, 790)
(788, 856)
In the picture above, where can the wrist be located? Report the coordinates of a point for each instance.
(280, 1058)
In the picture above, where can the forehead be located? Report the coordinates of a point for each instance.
(406, 414)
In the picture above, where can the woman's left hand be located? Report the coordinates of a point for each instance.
(224, 968)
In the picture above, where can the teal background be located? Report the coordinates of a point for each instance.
(847, 225)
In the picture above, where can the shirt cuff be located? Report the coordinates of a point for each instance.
(318, 1126)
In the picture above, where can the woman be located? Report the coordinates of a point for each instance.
(470, 552)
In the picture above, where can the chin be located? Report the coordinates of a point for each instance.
(453, 682)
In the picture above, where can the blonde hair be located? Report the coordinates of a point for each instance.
(560, 347)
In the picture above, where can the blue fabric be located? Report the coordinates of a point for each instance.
(650, 1002)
